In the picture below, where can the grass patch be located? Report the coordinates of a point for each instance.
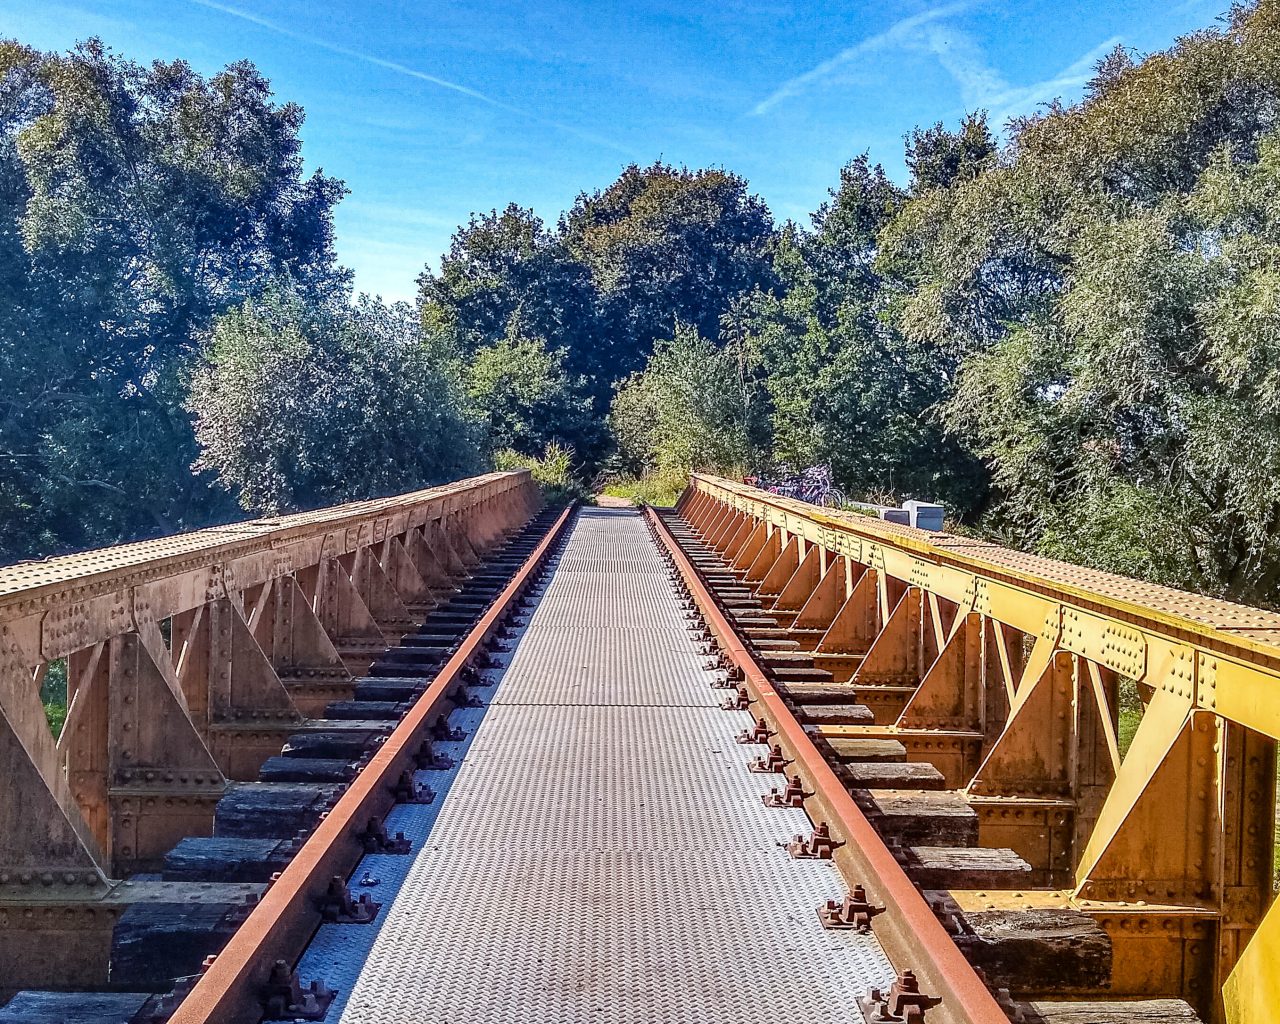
(53, 695)
(1129, 708)
(658, 489)
(554, 472)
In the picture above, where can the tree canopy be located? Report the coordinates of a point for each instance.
(135, 203)
(300, 404)
(1064, 327)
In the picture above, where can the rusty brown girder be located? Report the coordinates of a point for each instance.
(1003, 671)
(230, 990)
(189, 660)
(907, 928)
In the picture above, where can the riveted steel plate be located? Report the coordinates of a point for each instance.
(601, 854)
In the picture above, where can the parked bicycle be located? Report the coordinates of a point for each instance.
(812, 485)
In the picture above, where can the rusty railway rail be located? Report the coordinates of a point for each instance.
(907, 928)
(230, 990)
(190, 661)
(1000, 673)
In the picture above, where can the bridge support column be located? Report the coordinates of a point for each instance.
(1248, 931)
(51, 878)
(163, 781)
(302, 653)
(344, 615)
(250, 712)
(429, 563)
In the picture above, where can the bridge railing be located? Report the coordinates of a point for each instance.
(1007, 671)
(188, 661)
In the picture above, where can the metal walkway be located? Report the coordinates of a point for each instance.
(601, 853)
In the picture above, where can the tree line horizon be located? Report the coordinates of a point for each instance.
(1066, 329)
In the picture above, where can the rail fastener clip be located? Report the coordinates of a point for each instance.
(792, 796)
(408, 790)
(772, 763)
(740, 701)
(853, 913)
(285, 998)
(817, 846)
(759, 733)
(376, 840)
(903, 1004)
(338, 907)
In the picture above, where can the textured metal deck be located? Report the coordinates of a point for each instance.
(601, 854)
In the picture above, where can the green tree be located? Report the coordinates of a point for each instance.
(845, 388)
(695, 406)
(938, 158)
(1105, 292)
(505, 267)
(667, 246)
(526, 400)
(303, 403)
(659, 246)
(135, 203)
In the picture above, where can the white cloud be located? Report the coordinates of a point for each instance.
(1013, 102)
(962, 58)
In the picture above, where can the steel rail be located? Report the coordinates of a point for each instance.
(911, 935)
(279, 926)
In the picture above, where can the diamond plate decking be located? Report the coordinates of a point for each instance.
(601, 853)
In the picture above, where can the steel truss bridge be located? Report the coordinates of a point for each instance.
(457, 757)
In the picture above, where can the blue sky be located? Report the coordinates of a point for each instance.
(430, 110)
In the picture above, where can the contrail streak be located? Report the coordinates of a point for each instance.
(408, 72)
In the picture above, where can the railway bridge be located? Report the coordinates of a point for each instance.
(455, 756)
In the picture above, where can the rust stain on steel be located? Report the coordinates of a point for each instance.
(1151, 604)
(151, 558)
(908, 930)
(280, 925)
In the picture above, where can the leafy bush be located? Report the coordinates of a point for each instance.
(304, 403)
(694, 407)
(525, 399)
(554, 472)
(660, 488)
